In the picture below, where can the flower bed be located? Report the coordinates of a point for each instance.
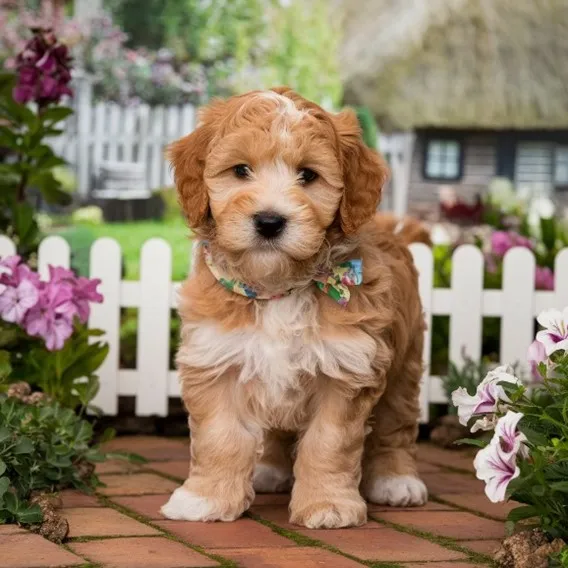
(526, 458)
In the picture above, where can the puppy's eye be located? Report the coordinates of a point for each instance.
(242, 171)
(307, 175)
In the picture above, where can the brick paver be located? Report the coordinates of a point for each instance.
(287, 558)
(136, 535)
(152, 448)
(385, 544)
(155, 552)
(146, 505)
(480, 503)
(26, 550)
(452, 524)
(136, 484)
(100, 521)
(242, 533)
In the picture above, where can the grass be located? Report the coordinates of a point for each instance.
(131, 236)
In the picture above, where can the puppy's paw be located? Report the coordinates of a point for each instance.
(185, 505)
(331, 514)
(269, 478)
(397, 491)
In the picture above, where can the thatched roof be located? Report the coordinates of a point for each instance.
(458, 63)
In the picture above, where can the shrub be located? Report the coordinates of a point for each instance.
(43, 74)
(43, 447)
(91, 215)
(526, 459)
(43, 335)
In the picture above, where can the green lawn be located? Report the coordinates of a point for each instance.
(131, 236)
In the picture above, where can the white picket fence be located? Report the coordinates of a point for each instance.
(106, 131)
(154, 295)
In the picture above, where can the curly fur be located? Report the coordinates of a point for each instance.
(300, 387)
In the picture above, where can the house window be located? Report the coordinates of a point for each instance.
(443, 159)
(561, 166)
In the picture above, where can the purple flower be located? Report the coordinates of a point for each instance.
(554, 336)
(52, 317)
(543, 278)
(85, 292)
(487, 398)
(43, 70)
(16, 301)
(496, 464)
(503, 241)
(536, 355)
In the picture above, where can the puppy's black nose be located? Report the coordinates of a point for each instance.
(269, 225)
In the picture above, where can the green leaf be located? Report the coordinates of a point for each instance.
(521, 513)
(11, 502)
(29, 515)
(471, 442)
(56, 114)
(5, 365)
(561, 486)
(108, 435)
(4, 434)
(23, 446)
(548, 232)
(4, 484)
(24, 223)
(50, 188)
(3, 468)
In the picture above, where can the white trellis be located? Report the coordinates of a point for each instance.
(154, 295)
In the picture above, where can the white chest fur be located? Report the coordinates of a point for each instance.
(285, 343)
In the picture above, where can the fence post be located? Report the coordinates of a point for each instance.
(105, 261)
(466, 307)
(154, 328)
(53, 250)
(7, 246)
(517, 308)
(83, 97)
(424, 261)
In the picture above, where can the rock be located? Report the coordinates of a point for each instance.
(448, 431)
(19, 390)
(53, 527)
(527, 549)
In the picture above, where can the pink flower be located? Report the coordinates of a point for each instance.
(503, 241)
(487, 398)
(554, 336)
(496, 464)
(52, 317)
(16, 301)
(543, 278)
(85, 292)
(536, 355)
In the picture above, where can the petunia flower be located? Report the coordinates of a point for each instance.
(554, 336)
(536, 354)
(543, 278)
(16, 301)
(488, 396)
(497, 468)
(496, 464)
(508, 435)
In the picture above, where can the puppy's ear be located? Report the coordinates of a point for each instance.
(364, 174)
(187, 156)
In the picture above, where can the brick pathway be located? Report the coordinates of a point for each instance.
(121, 527)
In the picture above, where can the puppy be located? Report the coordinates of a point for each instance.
(302, 329)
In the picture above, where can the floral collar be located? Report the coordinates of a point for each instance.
(335, 282)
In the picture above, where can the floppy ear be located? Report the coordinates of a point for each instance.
(364, 174)
(187, 157)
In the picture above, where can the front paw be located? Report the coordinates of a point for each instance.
(330, 514)
(397, 491)
(185, 505)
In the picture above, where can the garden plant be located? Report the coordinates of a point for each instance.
(525, 458)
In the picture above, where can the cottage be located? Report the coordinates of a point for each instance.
(481, 84)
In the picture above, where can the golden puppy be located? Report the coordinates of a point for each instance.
(291, 367)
